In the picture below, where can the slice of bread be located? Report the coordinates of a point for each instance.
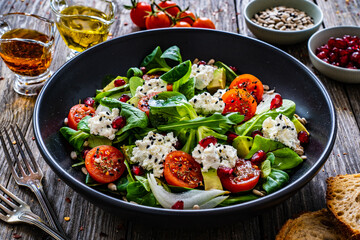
(319, 225)
(343, 200)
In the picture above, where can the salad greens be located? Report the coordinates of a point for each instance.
(172, 117)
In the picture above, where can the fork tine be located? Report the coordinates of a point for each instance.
(12, 196)
(21, 151)
(8, 158)
(14, 153)
(28, 150)
(5, 209)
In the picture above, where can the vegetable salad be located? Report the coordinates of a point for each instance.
(191, 136)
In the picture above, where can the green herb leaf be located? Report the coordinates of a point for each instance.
(134, 83)
(179, 73)
(134, 72)
(276, 180)
(154, 60)
(75, 138)
(172, 53)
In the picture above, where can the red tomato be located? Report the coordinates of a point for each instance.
(77, 113)
(187, 16)
(203, 22)
(143, 103)
(105, 164)
(243, 177)
(138, 14)
(169, 87)
(170, 7)
(239, 100)
(158, 20)
(249, 83)
(182, 24)
(182, 170)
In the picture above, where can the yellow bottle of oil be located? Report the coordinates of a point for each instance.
(82, 27)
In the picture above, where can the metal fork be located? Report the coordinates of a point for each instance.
(20, 212)
(31, 180)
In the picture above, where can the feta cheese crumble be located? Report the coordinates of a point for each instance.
(150, 86)
(214, 156)
(206, 104)
(150, 152)
(265, 103)
(100, 124)
(203, 74)
(282, 129)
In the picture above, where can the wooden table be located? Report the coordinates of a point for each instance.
(89, 222)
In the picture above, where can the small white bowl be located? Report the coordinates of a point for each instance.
(277, 36)
(337, 73)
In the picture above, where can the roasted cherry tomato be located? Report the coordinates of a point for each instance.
(77, 113)
(157, 20)
(182, 170)
(187, 16)
(182, 24)
(243, 177)
(105, 164)
(138, 13)
(203, 22)
(239, 100)
(249, 83)
(170, 7)
(143, 104)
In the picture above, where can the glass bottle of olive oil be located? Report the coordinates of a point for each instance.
(82, 27)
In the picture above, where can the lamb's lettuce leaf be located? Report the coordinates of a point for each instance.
(75, 138)
(172, 53)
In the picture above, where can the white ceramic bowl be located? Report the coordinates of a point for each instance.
(278, 36)
(337, 73)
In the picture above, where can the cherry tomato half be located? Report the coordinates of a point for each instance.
(249, 83)
(239, 100)
(77, 113)
(182, 170)
(138, 14)
(243, 177)
(203, 22)
(105, 164)
(143, 104)
(171, 7)
(182, 24)
(187, 16)
(158, 20)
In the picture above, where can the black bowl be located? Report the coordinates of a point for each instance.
(80, 77)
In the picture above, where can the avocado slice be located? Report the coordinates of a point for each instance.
(298, 125)
(218, 82)
(211, 180)
(133, 101)
(243, 145)
(111, 85)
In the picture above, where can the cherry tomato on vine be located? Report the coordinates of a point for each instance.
(204, 22)
(157, 20)
(77, 113)
(243, 177)
(187, 16)
(138, 12)
(170, 7)
(182, 170)
(182, 24)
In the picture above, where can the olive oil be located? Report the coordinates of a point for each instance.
(27, 58)
(80, 31)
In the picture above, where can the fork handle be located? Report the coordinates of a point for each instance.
(33, 219)
(50, 215)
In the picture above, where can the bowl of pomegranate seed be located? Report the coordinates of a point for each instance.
(283, 22)
(335, 52)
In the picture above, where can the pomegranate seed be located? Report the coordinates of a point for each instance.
(340, 43)
(331, 42)
(303, 137)
(233, 68)
(178, 205)
(224, 171)
(124, 98)
(89, 101)
(119, 122)
(231, 136)
(332, 57)
(321, 55)
(256, 132)
(201, 63)
(206, 141)
(276, 102)
(258, 157)
(119, 82)
(143, 69)
(85, 152)
(355, 57)
(137, 170)
(344, 60)
(177, 145)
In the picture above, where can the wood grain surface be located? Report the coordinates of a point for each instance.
(89, 222)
